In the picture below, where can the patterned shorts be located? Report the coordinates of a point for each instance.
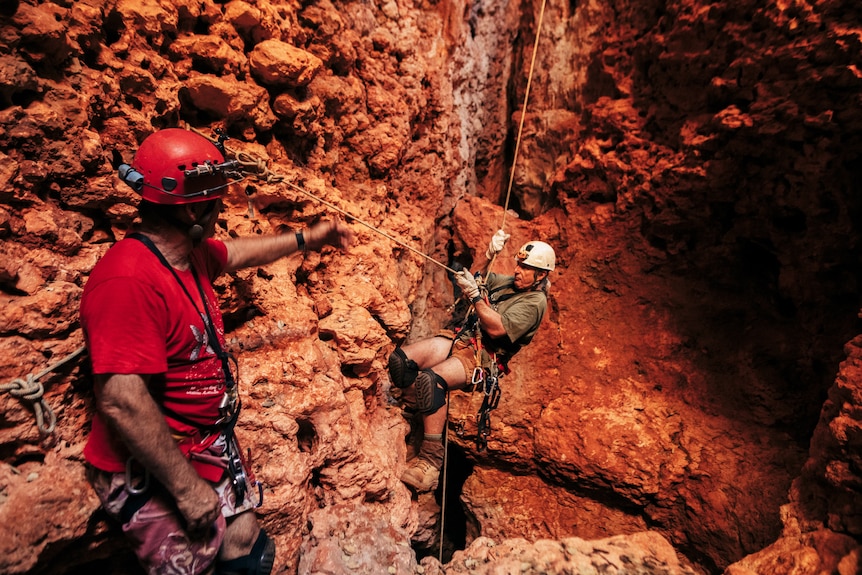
(156, 530)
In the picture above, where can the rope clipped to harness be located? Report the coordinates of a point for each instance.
(485, 379)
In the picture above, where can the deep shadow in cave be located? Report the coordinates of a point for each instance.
(456, 523)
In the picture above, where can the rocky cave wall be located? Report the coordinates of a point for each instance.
(695, 165)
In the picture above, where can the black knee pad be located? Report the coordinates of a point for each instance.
(402, 370)
(430, 391)
(259, 561)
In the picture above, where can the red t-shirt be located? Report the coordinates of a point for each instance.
(138, 320)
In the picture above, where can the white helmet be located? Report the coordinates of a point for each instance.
(537, 255)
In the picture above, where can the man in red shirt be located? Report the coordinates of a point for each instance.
(162, 455)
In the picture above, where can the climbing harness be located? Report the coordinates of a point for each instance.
(485, 379)
(231, 404)
(30, 389)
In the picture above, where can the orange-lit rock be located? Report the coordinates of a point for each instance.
(691, 402)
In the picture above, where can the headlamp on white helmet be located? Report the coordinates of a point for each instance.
(538, 255)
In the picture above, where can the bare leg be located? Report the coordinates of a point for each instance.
(432, 355)
(428, 352)
(241, 533)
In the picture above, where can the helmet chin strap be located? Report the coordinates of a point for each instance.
(536, 282)
(196, 232)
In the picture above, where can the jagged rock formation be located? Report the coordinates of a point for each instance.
(694, 163)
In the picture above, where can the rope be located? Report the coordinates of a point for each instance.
(258, 168)
(445, 476)
(493, 259)
(523, 114)
(29, 389)
(520, 127)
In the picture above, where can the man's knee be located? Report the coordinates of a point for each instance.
(430, 391)
(402, 369)
(259, 560)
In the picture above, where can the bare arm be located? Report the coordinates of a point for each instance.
(258, 251)
(489, 319)
(129, 409)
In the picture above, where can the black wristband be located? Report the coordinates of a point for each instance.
(476, 299)
(300, 241)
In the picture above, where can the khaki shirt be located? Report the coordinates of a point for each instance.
(521, 312)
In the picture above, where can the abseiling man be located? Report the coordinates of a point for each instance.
(508, 319)
(162, 455)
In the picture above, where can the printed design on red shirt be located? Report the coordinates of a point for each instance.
(202, 339)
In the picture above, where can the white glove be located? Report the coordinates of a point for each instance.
(467, 283)
(498, 240)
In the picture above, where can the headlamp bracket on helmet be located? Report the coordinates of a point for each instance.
(178, 166)
(537, 255)
(135, 180)
(228, 169)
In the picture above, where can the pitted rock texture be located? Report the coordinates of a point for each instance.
(693, 163)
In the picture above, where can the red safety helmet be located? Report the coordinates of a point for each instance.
(175, 166)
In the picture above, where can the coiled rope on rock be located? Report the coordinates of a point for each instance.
(30, 390)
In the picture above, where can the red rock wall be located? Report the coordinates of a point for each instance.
(693, 163)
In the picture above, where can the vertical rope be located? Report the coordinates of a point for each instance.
(490, 265)
(523, 114)
(520, 128)
(443, 494)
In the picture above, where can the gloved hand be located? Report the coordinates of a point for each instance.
(467, 283)
(498, 240)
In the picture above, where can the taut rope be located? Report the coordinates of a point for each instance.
(493, 259)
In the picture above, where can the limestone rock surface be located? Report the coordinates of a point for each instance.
(691, 403)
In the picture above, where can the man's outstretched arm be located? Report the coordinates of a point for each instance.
(261, 250)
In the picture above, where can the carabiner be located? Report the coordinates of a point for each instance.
(459, 428)
(129, 487)
(478, 375)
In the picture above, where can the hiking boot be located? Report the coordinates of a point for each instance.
(422, 475)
